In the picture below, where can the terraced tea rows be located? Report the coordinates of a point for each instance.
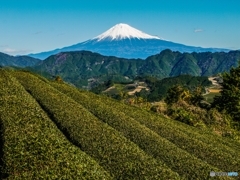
(55, 131)
(148, 140)
(212, 149)
(122, 158)
(31, 145)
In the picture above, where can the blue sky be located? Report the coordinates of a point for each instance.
(31, 26)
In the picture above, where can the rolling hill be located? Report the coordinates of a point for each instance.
(51, 130)
(18, 61)
(82, 67)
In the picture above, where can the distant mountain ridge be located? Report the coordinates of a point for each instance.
(19, 61)
(125, 41)
(81, 66)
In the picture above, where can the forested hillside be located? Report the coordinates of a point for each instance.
(83, 68)
(149, 88)
(17, 61)
(51, 130)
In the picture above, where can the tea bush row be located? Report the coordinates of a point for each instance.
(31, 145)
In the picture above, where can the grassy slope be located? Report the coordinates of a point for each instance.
(32, 146)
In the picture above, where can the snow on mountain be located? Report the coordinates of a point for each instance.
(125, 41)
(123, 31)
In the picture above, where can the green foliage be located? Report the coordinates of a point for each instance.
(176, 94)
(159, 88)
(189, 108)
(143, 93)
(196, 96)
(118, 155)
(201, 118)
(182, 115)
(229, 99)
(32, 147)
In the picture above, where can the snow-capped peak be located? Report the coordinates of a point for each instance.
(124, 31)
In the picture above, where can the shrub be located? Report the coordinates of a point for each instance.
(229, 100)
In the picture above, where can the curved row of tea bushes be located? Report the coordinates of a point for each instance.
(209, 148)
(31, 145)
(186, 165)
(120, 157)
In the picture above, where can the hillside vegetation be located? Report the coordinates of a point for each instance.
(17, 61)
(51, 130)
(84, 68)
(149, 88)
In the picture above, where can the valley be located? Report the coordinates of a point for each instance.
(86, 69)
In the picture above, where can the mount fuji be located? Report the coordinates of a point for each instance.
(125, 41)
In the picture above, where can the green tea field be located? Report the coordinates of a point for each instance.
(52, 130)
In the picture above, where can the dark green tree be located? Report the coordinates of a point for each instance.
(229, 100)
(143, 93)
(58, 79)
(177, 93)
(197, 96)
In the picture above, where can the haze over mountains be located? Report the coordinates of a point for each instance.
(125, 41)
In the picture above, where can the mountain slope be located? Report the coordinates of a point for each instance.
(80, 67)
(19, 61)
(125, 41)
